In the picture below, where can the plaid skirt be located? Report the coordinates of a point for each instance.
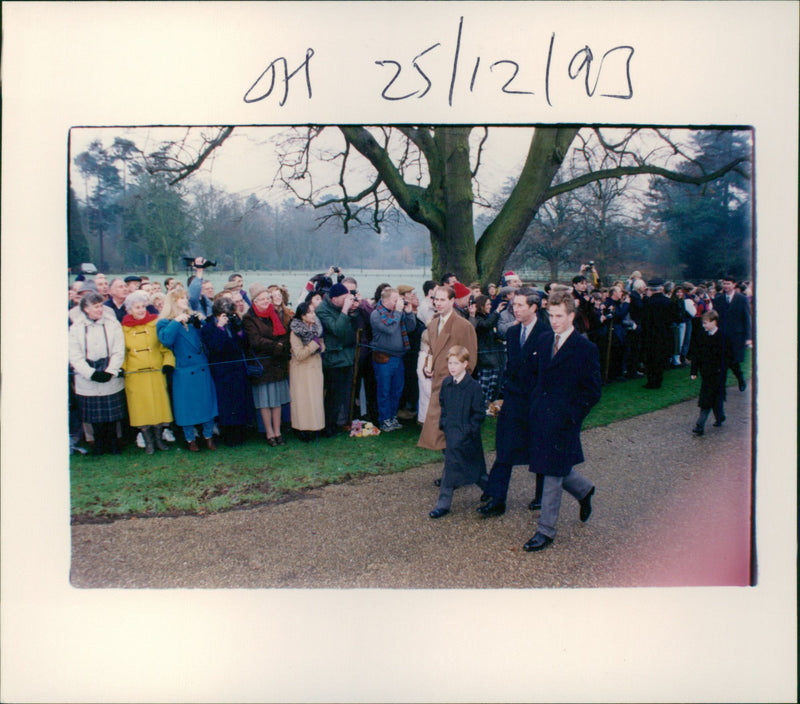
(102, 409)
(489, 379)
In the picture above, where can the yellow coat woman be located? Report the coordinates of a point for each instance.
(145, 356)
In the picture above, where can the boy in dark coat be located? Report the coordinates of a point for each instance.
(461, 400)
(711, 357)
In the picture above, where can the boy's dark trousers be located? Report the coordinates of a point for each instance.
(719, 415)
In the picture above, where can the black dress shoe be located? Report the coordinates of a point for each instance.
(437, 482)
(485, 497)
(586, 506)
(495, 507)
(697, 431)
(537, 542)
(439, 512)
(742, 385)
(719, 422)
(535, 505)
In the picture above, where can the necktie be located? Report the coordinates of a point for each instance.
(556, 344)
(522, 335)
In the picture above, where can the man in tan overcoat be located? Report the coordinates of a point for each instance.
(447, 328)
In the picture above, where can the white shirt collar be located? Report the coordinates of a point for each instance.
(458, 379)
(562, 338)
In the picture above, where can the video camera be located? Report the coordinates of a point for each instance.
(190, 263)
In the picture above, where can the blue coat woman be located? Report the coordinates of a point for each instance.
(194, 397)
(224, 339)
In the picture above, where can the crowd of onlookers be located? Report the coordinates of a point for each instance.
(150, 359)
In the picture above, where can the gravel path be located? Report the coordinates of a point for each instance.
(670, 509)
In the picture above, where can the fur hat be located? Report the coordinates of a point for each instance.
(256, 290)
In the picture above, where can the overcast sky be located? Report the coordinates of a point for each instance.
(246, 163)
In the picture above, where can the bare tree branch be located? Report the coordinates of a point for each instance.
(620, 171)
(184, 170)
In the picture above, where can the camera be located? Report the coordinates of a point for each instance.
(472, 300)
(194, 319)
(337, 270)
(190, 262)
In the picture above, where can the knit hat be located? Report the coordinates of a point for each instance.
(255, 290)
(338, 290)
(460, 290)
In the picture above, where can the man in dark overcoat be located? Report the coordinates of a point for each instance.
(511, 441)
(658, 315)
(568, 384)
(734, 324)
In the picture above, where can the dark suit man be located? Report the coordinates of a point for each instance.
(658, 315)
(735, 325)
(568, 384)
(513, 431)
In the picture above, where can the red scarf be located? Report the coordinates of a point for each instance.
(130, 322)
(269, 312)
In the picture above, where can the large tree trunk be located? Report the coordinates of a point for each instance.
(454, 249)
(548, 147)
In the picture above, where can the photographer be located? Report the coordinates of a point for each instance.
(589, 271)
(321, 283)
(224, 339)
(491, 348)
(586, 318)
(504, 309)
(198, 300)
(615, 311)
(193, 394)
(338, 314)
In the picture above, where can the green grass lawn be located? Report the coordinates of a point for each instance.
(178, 481)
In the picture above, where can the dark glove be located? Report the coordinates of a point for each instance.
(167, 369)
(102, 376)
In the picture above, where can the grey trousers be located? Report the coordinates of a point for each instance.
(574, 483)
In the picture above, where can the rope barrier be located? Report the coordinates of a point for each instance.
(251, 359)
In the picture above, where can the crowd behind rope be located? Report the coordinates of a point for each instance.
(152, 360)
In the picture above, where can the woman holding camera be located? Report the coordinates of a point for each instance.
(193, 395)
(491, 349)
(268, 339)
(96, 353)
(224, 339)
(145, 384)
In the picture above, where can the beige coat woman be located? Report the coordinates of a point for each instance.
(305, 371)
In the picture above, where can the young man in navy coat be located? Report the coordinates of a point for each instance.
(735, 325)
(511, 442)
(568, 384)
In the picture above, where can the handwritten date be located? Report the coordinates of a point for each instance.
(610, 71)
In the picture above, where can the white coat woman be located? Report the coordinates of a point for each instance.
(96, 354)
